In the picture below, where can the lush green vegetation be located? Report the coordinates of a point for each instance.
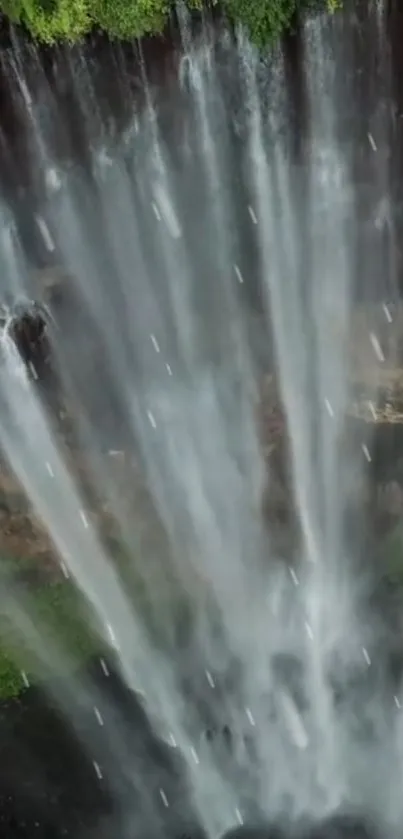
(59, 611)
(55, 20)
(267, 19)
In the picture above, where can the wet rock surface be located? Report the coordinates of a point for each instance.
(52, 786)
(339, 826)
(73, 779)
(254, 832)
(373, 418)
(343, 826)
(49, 786)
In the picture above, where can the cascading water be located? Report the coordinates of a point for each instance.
(167, 240)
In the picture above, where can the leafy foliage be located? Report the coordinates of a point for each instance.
(69, 20)
(266, 20)
(129, 18)
(50, 20)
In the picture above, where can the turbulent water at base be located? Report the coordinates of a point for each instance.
(213, 239)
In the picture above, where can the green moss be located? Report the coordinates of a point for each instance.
(60, 611)
(11, 681)
(61, 614)
(69, 20)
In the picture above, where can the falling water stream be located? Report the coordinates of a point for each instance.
(168, 238)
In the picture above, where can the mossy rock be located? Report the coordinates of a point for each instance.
(61, 612)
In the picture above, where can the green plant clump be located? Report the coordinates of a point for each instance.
(59, 610)
(266, 20)
(51, 21)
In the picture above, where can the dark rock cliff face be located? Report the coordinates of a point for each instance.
(339, 826)
(56, 782)
(48, 788)
(114, 75)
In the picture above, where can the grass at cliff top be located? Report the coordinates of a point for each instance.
(57, 611)
(50, 21)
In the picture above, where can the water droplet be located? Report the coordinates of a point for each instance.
(238, 816)
(65, 570)
(164, 798)
(112, 636)
(366, 656)
(376, 347)
(366, 452)
(250, 716)
(33, 371)
(293, 576)
(210, 679)
(25, 678)
(151, 419)
(252, 214)
(294, 722)
(46, 235)
(194, 755)
(98, 771)
(238, 274)
(104, 666)
(98, 716)
(84, 519)
(309, 631)
(156, 211)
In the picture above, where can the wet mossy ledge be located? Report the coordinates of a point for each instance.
(53, 21)
(57, 613)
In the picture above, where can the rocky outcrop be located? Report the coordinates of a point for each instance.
(374, 418)
(25, 547)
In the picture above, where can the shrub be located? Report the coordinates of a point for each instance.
(266, 20)
(129, 18)
(50, 20)
(70, 20)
